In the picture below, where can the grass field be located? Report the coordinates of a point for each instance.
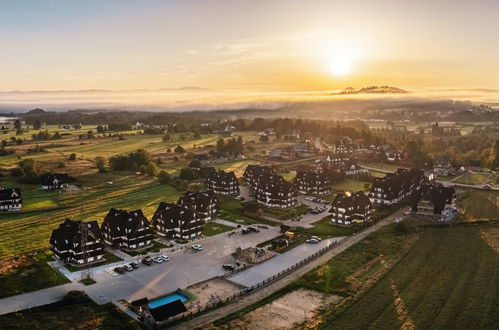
(449, 280)
(383, 166)
(231, 211)
(351, 185)
(75, 311)
(479, 204)
(324, 229)
(477, 178)
(213, 228)
(28, 274)
(23, 232)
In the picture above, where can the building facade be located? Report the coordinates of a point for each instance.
(204, 204)
(177, 221)
(395, 187)
(10, 199)
(127, 230)
(54, 181)
(350, 209)
(223, 183)
(311, 182)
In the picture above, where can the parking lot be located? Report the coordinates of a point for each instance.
(183, 269)
(281, 262)
(309, 218)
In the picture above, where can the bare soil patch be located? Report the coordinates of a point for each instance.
(254, 255)
(212, 291)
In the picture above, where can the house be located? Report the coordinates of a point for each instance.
(275, 153)
(344, 145)
(393, 155)
(302, 149)
(442, 166)
(271, 190)
(78, 243)
(223, 183)
(351, 168)
(177, 221)
(433, 202)
(252, 173)
(127, 230)
(54, 181)
(10, 199)
(348, 209)
(204, 204)
(312, 182)
(395, 187)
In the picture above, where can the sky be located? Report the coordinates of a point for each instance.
(252, 45)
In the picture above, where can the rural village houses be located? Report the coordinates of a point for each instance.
(177, 221)
(128, 230)
(77, 242)
(223, 183)
(204, 204)
(394, 187)
(252, 173)
(347, 209)
(443, 166)
(10, 199)
(54, 181)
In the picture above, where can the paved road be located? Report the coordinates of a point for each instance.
(279, 263)
(265, 292)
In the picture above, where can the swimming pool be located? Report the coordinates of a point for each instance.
(167, 300)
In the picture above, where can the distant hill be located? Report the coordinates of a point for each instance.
(373, 90)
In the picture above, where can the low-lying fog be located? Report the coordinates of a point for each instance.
(200, 99)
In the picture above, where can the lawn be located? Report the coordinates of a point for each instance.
(231, 211)
(75, 311)
(213, 228)
(477, 178)
(288, 176)
(479, 204)
(287, 214)
(109, 258)
(28, 273)
(383, 166)
(351, 185)
(156, 247)
(448, 280)
(325, 229)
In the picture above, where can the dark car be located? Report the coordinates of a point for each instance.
(134, 265)
(256, 230)
(245, 231)
(119, 270)
(147, 261)
(228, 267)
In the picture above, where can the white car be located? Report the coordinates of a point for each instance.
(312, 241)
(165, 258)
(157, 260)
(316, 238)
(197, 247)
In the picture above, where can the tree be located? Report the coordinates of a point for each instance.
(195, 163)
(37, 124)
(167, 137)
(100, 163)
(90, 135)
(196, 135)
(179, 149)
(164, 177)
(72, 156)
(152, 169)
(188, 173)
(17, 124)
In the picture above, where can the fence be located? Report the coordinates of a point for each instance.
(247, 291)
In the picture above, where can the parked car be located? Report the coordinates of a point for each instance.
(128, 268)
(147, 261)
(228, 267)
(119, 270)
(197, 247)
(314, 211)
(316, 238)
(165, 258)
(240, 198)
(263, 226)
(134, 265)
(487, 186)
(254, 229)
(245, 231)
(312, 241)
(157, 260)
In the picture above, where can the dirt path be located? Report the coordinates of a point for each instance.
(259, 295)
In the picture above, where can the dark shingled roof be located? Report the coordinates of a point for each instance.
(436, 193)
(10, 193)
(164, 312)
(140, 302)
(48, 179)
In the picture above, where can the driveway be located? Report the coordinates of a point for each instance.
(281, 262)
(309, 218)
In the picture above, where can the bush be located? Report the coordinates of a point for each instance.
(72, 156)
(164, 177)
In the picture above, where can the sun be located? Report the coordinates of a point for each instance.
(340, 64)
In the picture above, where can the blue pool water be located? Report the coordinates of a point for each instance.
(167, 300)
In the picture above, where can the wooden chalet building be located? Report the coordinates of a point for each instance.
(54, 181)
(223, 183)
(443, 166)
(127, 230)
(273, 191)
(253, 172)
(177, 221)
(204, 204)
(433, 202)
(350, 209)
(312, 182)
(78, 243)
(397, 186)
(10, 199)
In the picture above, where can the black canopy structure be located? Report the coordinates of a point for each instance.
(164, 312)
